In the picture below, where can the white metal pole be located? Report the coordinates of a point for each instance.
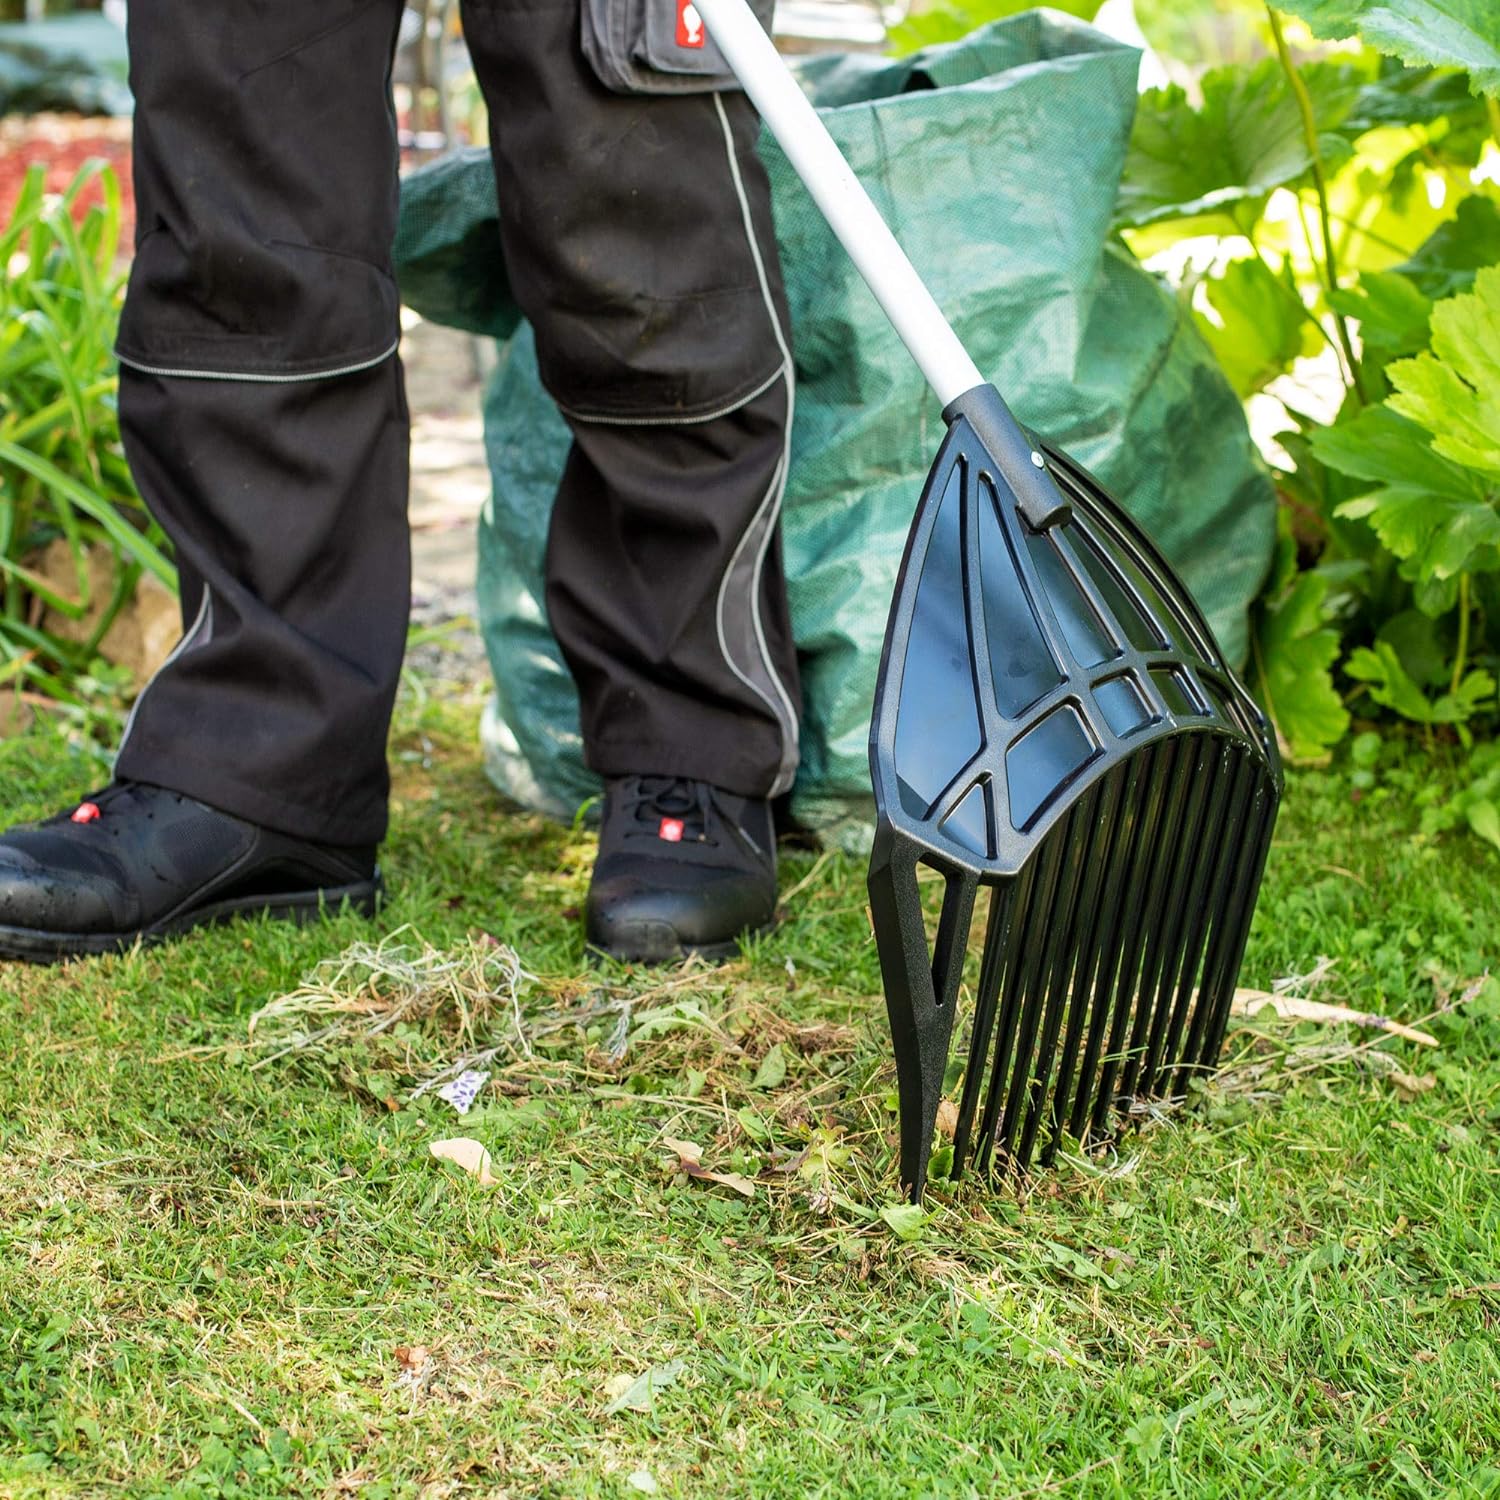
(837, 191)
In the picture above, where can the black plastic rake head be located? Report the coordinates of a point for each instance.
(1054, 721)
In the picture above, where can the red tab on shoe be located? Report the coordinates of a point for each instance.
(671, 829)
(86, 812)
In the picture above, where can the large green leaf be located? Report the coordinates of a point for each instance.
(1448, 260)
(1454, 391)
(1414, 638)
(1393, 315)
(1294, 651)
(1260, 326)
(1393, 323)
(1246, 140)
(1399, 95)
(1424, 507)
(1390, 686)
(1446, 33)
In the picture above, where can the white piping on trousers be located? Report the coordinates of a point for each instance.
(710, 416)
(204, 622)
(785, 713)
(364, 364)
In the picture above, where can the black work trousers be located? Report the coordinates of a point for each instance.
(263, 413)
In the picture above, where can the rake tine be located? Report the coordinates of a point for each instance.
(1003, 901)
(1164, 882)
(1020, 978)
(1084, 881)
(1128, 977)
(1218, 851)
(1237, 836)
(1240, 908)
(1138, 849)
(1009, 1084)
(1186, 837)
(951, 943)
(1084, 988)
(1056, 944)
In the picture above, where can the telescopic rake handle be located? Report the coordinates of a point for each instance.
(838, 193)
(878, 257)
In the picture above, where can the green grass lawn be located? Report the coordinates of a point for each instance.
(229, 1269)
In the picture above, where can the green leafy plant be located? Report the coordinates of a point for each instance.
(1475, 806)
(63, 475)
(1431, 454)
(1342, 204)
(1447, 33)
(1221, 158)
(1327, 188)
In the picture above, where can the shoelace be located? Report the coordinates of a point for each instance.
(670, 808)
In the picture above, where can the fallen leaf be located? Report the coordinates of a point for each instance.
(947, 1118)
(733, 1180)
(635, 1394)
(412, 1357)
(771, 1073)
(1246, 1002)
(1410, 1085)
(790, 1161)
(643, 1481)
(468, 1154)
(905, 1219)
(690, 1161)
(686, 1150)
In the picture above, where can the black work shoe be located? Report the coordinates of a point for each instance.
(138, 861)
(683, 867)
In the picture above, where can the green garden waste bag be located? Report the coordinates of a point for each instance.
(996, 160)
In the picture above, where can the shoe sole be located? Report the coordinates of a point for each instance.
(639, 948)
(32, 946)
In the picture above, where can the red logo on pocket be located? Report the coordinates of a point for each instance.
(671, 829)
(689, 25)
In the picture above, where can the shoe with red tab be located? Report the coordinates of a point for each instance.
(138, 862)
(684, 867)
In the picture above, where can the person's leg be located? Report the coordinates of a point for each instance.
(665, 588)
(288, 504)
(263, 415)
(261, 404)
(637, 236)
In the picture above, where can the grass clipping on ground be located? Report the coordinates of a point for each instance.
(400, 1018)
(424, 1000)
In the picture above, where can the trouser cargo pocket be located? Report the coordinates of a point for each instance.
(637, 230)
(656, 46)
